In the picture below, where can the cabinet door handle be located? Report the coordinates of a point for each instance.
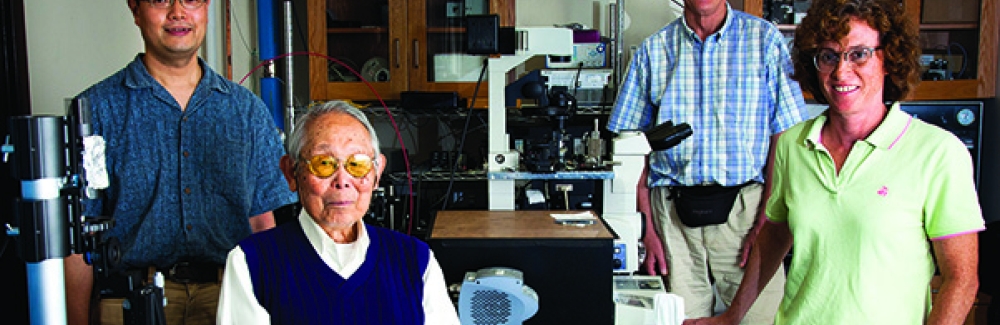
(416, 54)
(396, 41)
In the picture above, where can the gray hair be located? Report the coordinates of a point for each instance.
(297, 138)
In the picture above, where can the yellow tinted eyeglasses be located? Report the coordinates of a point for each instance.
(323, 166)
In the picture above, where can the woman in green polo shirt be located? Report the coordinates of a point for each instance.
(871, 196)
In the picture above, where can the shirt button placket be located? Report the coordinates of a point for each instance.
(184, 171)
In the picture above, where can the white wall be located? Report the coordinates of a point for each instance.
(642, 17)
(74, 44)
(243, 39)
(243, 33)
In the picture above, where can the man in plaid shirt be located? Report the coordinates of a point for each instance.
(727, 74)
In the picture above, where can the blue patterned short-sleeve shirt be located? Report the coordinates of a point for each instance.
(183, 183)
(733, 88)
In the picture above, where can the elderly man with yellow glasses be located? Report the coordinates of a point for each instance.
(328, 267)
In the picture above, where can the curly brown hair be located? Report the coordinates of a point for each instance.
(827, 20)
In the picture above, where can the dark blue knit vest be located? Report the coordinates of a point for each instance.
(295, 287)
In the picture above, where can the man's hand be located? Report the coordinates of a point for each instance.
(656, 262)
(748, 243)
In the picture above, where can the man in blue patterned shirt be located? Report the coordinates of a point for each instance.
(725, 73)
(193, 163)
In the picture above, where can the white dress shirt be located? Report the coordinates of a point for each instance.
(238, 305)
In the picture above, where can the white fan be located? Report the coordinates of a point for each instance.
(496, 296)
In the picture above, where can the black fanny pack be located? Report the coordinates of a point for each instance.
(699, 206)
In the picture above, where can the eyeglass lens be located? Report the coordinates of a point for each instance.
(827, 59)
(324, 166)
(189, 4)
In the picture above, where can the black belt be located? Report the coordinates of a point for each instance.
(190, 272)
(709, 189)
(118, 285)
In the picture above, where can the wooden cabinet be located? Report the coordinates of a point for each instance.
(954, 31)
(975, 38)
(396, 45)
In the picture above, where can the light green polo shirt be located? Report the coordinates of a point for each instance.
(861, 250)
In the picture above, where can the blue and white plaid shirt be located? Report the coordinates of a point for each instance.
(734, 89)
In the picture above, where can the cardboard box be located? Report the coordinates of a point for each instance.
(949, 11)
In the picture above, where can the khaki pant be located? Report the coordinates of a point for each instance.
(187, 304)
(696, 256)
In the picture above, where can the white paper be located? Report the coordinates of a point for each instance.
(573, 216)
(535, 196)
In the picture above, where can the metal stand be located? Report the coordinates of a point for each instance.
(43, 239)
(48, 159)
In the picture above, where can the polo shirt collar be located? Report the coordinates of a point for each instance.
(137, 76)
(717, 36)
(814, 129)
(892, 128)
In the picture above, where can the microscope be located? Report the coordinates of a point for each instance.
(552, 154)
(59, 163)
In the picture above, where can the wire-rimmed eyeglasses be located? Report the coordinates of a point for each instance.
(187, 4)
(827, 59)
